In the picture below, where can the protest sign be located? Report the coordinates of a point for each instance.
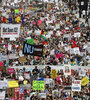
(67, 70)
(50, 82)
(78, 34)
(10, 30)
(27, 75)
(76, 85)
(11, 70)
(42, 95)
(1, 64)
(88, 71)
(12, 56)
(16, 10)
(30, 41)
(41, 25)
(4, 57)
(25, 82)
(34, 50)
(82, 72)
(55, 92)
(76, 50)
(53, 73)
(10, 92)
(4, 84)
(13, 84)
(22, 59)
(2, 95)
(84, 81)
(19, 94)
(38, 85)
(18, 19)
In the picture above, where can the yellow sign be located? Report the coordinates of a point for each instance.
(25, 82)
(53, 73)
(13, 84)
(18, 19)
(84, 81)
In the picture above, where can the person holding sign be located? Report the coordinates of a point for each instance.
(35, 71)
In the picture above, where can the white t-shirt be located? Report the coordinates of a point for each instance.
(21, 78)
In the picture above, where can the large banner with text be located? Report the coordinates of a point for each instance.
(10, 30)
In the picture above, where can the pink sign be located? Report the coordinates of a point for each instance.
(11, 70)
(59, 55)
(12, 99)
(39, 21)
(34, 22)
(1, 64)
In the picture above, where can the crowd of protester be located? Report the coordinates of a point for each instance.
(62, 84)
(65, 40)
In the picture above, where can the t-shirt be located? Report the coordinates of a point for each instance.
(35, 71)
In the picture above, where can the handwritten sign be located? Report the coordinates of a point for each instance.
(3, 84)
(84, 81)
(53, 73)
(38, 85)
(11, 70)
(13, 84)
(76, 85)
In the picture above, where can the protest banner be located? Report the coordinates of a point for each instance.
(76, 85)
(84, 81)
(10, 30)
(42, 95)
(11, 70)
(30, 41)
(34, 50)
(2, 95)
(53, 73)
(67, 70)
(4, 84)
(13, 84)
(38, 85)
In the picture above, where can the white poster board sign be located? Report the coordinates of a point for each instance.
(42, 95)
(10, 30)
(67, 70)
(82, 72)
(78, 34)
(2, 95)
(4, 84)
(76, 85)
(76, 50)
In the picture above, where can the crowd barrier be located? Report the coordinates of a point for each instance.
(57, 67)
